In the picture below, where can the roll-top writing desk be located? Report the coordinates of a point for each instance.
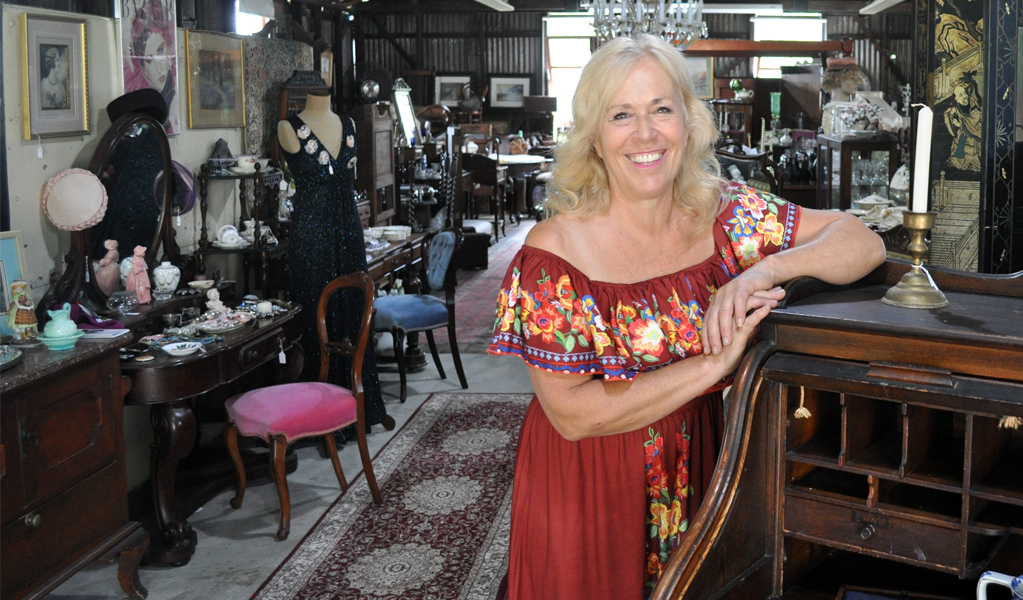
(902, 460)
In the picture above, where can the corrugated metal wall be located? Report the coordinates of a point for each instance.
(893, 33)
(478, 44)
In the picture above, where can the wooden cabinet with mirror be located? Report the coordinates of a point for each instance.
(374, 171)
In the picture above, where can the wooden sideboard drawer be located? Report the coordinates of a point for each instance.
(254, 353)
(62, 436)
(29, 553)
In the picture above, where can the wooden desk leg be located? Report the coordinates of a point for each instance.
(174, 428)
(135, 547)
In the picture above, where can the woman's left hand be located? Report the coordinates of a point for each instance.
(751, 290)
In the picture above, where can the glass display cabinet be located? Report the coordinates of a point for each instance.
(734, 119)
(853, 167)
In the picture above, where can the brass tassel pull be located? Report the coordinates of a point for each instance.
(802, 412)
(1009, 422)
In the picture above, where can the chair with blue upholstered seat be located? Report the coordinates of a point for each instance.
(281, 414)
(412, 313)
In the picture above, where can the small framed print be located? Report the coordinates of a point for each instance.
(447, 89)
(55, 84)
(327, 67)
(509, 92)
(701, 74)
(216, 80)
(12, 270)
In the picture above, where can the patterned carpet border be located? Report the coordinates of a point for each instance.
(315, 562)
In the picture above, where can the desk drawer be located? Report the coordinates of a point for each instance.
(847, 526)
(72, 521)
(862, 529)
(254, 353)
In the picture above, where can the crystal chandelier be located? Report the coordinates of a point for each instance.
(680, 23)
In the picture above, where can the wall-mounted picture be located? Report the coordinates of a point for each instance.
(327, 67)
(55, 86)
(149, 52)
(508, 92)
(701, 72)
(448, 89)
(216, 81)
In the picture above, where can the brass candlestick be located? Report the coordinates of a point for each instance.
(917, 289)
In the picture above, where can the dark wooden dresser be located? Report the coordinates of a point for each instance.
(63, 494)
(899, 474)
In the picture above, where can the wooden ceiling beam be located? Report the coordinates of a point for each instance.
(748, 48)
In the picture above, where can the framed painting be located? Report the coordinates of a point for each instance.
(447, 89)
(509, 92)
(55, 83)
(327, 67)
(216, 80)
(701, 73)
(149, 53)
(12, 268)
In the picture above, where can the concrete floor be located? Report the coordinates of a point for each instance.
(238, 549)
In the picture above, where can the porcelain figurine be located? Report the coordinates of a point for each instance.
(124, 269)
(107, 269)
(214, 303)
(60, 324)
(138, 276)
(166, 277)
(21, 314)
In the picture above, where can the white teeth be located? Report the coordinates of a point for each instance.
(646, 159)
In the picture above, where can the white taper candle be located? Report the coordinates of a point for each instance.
(922, 159)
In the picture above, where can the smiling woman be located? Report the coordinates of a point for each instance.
(634, 302)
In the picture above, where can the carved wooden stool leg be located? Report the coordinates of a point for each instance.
(231, 439)
(278, 448)
(332, 452)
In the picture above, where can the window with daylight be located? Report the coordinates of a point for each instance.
(802, 28)
(568, 40)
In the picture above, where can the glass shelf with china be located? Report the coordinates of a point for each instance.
(854, 168)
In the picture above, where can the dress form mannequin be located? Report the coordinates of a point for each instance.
(318, 116)
(326, 240)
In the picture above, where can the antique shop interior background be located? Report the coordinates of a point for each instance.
(964, 58)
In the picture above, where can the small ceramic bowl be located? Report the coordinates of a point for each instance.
(201, 284)
(182, 348)
(66, 342)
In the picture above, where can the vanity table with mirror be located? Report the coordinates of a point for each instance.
(127, 160)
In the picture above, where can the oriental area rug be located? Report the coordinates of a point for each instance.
(442, 530)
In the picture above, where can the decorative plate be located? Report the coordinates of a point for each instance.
(224, 324)
(10, 357)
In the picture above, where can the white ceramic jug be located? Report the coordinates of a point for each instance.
(1014, 584)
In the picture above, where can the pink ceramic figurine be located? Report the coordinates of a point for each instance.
(107, 277)
(138, 277)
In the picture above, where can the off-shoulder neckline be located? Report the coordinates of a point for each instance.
(707, 263)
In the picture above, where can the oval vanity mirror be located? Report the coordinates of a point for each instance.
(128, 159)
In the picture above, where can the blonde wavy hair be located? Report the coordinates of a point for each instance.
(579, 184)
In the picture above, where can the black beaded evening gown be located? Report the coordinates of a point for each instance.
(324, 243)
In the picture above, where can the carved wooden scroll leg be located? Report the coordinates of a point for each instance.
(134, 549)
(717, 504)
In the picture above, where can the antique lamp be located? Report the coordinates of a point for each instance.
(679, 23)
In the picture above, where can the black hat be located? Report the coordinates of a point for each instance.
(146, 101)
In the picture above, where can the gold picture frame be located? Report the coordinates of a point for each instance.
(54, 77)
(216, 80)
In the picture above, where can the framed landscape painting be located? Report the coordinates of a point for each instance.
(54, 77)
(216, 80)
(447, 89)
(701, 73)
(508, 92)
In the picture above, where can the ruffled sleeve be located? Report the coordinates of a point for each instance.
(543, 318)
(757, 224)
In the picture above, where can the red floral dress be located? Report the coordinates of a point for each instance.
(587, 520)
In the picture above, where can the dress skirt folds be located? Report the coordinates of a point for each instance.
(600, 517)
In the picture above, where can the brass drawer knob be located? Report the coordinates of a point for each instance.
(33, 519)
(868, 531)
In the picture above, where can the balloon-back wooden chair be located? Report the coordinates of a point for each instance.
(281, 414)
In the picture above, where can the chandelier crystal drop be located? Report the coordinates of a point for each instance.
(679, 23)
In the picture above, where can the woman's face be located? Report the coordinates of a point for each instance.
(643, 135)
(155, 64)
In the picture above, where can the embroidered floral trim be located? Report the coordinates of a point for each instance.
(668, 515)
(303, 132)
(324, 158)
(311, 146)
